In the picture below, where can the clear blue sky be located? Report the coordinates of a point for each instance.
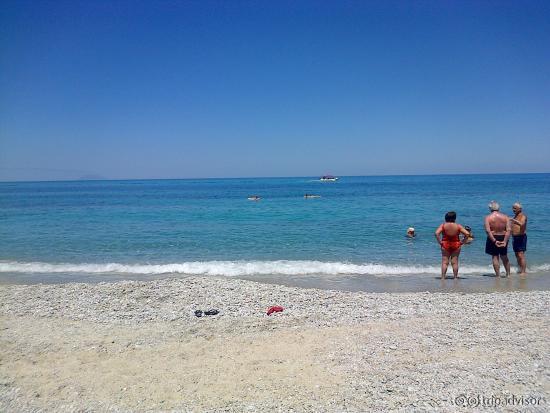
(181, 89)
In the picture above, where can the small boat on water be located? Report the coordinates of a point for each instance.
(254, 198)
(328, 178)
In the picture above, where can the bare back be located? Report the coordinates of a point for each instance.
(496, 223)
(451, 229)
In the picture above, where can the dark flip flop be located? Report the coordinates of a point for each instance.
(211, 312)
(198, 313)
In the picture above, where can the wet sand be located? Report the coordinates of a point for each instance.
(367, 283)
(485, 283)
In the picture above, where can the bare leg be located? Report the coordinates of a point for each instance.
(444, 265)
(454, 263)
(506, 263)
(496, 265)
(522, 262)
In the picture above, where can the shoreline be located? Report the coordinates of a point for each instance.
(136, 345)
(409, 283)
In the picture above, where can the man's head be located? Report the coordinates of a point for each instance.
(494, 206)
(517, 208)
(410, 231)
(450, 216)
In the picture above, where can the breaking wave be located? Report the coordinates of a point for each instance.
(241, 268)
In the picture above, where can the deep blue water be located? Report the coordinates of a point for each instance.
(209, 226)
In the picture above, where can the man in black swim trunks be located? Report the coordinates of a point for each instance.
(497, 226)
(519, 236)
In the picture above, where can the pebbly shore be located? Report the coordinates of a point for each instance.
(138, 346)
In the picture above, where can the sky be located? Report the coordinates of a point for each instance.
(191, 89)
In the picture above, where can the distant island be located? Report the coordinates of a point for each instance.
(92, 177)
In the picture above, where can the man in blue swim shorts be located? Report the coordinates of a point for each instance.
(519, 236)
(497, 226)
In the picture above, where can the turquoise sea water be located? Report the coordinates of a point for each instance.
(356, 229)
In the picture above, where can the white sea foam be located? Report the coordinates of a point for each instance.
(241, 268)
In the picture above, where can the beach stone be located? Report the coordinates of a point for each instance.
(384, 352)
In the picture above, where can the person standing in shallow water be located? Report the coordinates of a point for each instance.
(470, 238)
(519, 236)
(497, 226)
(450, 242)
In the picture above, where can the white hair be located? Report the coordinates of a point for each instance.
(494, 206)
(517, 205)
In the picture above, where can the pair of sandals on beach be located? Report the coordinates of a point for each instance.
(199, 313)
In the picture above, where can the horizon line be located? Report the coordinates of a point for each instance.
(268, 177)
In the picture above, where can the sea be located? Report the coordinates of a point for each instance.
(351, 237)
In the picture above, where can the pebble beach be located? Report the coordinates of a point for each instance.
(138, 346)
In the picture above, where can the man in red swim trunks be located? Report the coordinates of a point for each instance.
(497, 226)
